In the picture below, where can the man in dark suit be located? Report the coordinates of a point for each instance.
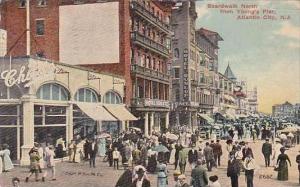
(217, 149)
(92, 150)
(209, 156)
(267, 152)
(193, 156)
(141, 180)
(199, 176)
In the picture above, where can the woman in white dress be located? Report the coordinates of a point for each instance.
(248, 135)
(7, 163)
(235, 136)
(172, 154)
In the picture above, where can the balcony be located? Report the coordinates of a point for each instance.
(146, 102)
(150, 44)
(147, 72)
(146, 14)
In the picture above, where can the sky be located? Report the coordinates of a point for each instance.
(265, 53)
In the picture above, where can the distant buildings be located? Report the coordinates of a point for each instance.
(287, 111)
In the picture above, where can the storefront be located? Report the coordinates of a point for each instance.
(41, 101)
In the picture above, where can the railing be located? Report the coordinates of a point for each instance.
(135, 68)
(145, 102)
(143, 11)
(151, 44)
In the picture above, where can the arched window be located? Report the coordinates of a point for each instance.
(53, 91)
(112, 98)
(86, 95)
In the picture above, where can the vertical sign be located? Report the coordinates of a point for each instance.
(185, 75)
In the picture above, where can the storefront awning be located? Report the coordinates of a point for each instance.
(207, 118)
(96, 111)
(120, 112)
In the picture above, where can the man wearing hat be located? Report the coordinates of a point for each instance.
(267, 152)
(176, 174)
(141, 180)
(193, 156)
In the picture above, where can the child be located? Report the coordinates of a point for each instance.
(116, 156)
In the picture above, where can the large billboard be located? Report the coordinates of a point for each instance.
(89, 33)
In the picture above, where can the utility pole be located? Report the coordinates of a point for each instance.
(28, 27)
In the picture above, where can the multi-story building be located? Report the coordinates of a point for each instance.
(227, 98)
(195, 80)
(184, 66)
(285, 110)
(208, 42)
(127, 38)
(252, 101)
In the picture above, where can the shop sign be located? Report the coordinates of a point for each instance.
(185, 75)
(156, 103)
(35, 71)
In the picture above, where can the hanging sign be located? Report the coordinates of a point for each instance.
(185, 75)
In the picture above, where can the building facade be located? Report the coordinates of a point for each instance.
(285, 110)
(228, 105)
(252, 98)
(41, 102)
(137, 33)
(195, 68)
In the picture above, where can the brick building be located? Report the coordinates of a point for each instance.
(195, 68)
(61, 30)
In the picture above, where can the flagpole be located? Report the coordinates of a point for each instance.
(28, 27)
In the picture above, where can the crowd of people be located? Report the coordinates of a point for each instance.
(140, 156)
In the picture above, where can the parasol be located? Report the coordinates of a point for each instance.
(104, 135)
(171, 136)
(160, 148)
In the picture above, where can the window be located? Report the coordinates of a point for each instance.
(176, 73)
(202, 78)
(193, 75)
(176, 53)
(40, 27)
(42, 2)
(86, 95)
(52, 91)
(22, 3)
(112, 98)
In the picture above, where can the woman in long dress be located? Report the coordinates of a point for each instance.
(162, 180)
(248, 135)
(7, 163)
(283, 170)
(235, 136)
(151, 161)
(101, 147)
(172, 155)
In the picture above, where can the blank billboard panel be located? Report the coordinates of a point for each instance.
(89, 33)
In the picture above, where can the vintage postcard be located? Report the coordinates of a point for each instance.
(145, 93)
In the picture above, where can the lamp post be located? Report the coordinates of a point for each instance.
(28, 27)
